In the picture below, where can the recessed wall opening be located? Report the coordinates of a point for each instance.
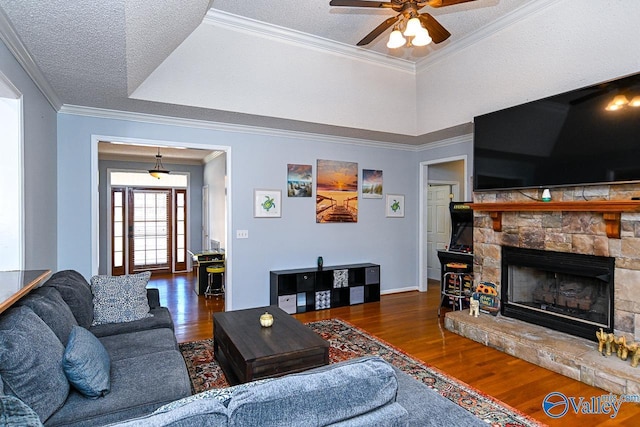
(572, 293)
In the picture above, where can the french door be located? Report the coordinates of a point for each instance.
(148, 229)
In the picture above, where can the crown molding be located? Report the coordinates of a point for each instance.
(462, 139)
(228, 127)
(262, 29)
(17, 48)
(524, 12)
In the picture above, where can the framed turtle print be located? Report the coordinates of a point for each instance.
(267, 203)
(395, 206)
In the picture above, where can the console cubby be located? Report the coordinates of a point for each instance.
(308, 289)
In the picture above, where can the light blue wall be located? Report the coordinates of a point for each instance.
(194, 221)
(39, 167)
(256, 161)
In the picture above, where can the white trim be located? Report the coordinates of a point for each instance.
(398, 290)
(424, 174)
(446, 142)
(247, 25)
(526, 11)
(17, 48)
(95, 206)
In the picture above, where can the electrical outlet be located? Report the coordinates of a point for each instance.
(242, 234)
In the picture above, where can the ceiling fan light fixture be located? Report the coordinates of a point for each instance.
(395, 39)
(413, 27)
(422, 38)
(635, 102)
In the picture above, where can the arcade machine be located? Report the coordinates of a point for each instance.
(456, 263)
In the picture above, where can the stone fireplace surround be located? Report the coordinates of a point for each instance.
(583, 232)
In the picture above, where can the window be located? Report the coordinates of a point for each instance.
(11, 177)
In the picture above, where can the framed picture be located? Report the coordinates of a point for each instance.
(371, 184)
(336, 191)
(267, 203)
(395, 205)
(299, 180)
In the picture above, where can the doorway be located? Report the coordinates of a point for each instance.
(148, 230)
(441, 181)
(439, 195)
(178, 158)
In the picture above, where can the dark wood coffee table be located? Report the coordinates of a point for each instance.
(246, 351)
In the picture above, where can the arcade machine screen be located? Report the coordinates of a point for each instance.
(461, 227)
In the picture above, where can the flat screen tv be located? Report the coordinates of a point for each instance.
(571, 139)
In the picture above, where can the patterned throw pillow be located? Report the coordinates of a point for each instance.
(118, 299)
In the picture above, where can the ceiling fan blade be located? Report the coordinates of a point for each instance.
(443, 3)
(378, 30)
(360, 3)
(437, 32)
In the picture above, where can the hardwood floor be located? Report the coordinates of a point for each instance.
(409, 321)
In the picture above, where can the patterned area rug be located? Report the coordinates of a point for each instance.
(348, 341)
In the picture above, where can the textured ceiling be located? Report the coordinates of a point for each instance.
(94, 54)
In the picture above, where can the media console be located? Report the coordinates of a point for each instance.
(309, 289)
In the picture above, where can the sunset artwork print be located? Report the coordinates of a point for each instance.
(299, 180)
(371, 184)
(336, 191)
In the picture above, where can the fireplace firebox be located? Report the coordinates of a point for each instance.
(571, 293)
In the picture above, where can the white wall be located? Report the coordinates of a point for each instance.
(215, 176)
(568, 45)
(257, 161)
(232, 70)
(39, 151)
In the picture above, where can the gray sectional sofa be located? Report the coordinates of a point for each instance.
(146, 367)
(360, 392)
(149, 384)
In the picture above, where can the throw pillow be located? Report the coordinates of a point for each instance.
(14, 412)
(47, 303)
(31, 362)
(118, 299)
(86, 364)
(75, 291)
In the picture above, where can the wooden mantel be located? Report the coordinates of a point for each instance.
(610, 209)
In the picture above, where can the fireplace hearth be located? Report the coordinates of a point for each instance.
(571, 293)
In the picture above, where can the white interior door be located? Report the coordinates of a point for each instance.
(438, 223)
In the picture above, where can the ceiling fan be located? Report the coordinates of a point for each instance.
(408, 19)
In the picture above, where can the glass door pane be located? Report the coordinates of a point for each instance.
(151, 229)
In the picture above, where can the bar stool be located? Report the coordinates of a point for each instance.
(212, 270)
(457, 285)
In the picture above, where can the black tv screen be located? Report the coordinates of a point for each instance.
(574, 138)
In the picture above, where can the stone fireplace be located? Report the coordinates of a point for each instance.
(588, 226)
(569, 232)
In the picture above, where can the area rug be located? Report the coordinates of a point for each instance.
(348, 341)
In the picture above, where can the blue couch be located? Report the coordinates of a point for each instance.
(357, 393)
(146, 367)
(150, 384)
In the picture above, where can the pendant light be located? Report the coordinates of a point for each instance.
(158, 170)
